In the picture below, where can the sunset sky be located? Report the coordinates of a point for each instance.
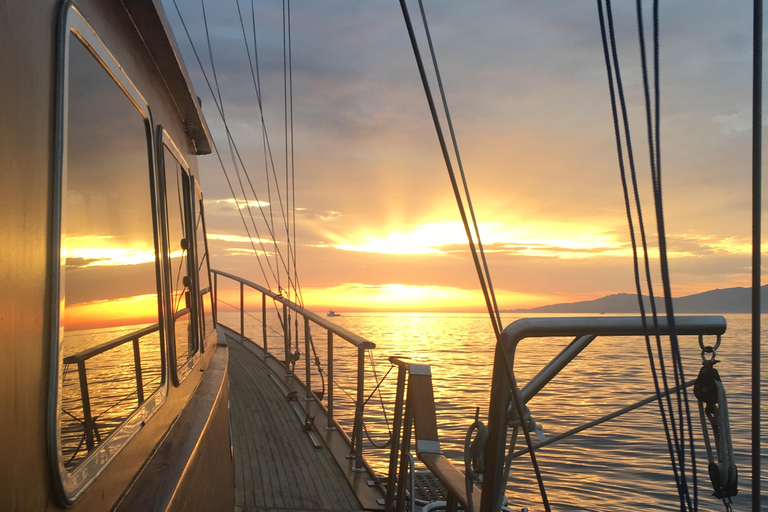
(377, 224)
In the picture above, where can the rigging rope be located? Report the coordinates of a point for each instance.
(675, 431)
(482, 270)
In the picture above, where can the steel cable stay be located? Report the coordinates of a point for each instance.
(239, 159)
(269, 163)
(293, 281)
(477, 253)
(218, 155)
(235, 154)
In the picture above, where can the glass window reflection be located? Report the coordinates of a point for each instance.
(205, 304)
(110, 340)
(177, 193)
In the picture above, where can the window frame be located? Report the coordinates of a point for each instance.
(178, 373)
(70, 484)
(198, 201)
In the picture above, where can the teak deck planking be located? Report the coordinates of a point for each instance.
(276, 466)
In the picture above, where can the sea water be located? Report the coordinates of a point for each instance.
(621, 465)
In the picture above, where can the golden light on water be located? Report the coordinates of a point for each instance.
(403, 297)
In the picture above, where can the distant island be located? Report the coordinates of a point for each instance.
(729, 300)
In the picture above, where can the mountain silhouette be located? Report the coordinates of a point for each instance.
(728, 300)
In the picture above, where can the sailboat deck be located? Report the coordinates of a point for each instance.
(276, 466)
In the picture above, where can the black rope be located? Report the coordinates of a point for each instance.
(486, 287)
(675, 437)
(460, 165)
(641, 227)
(449, 166)
(757, 109)
(683, 406)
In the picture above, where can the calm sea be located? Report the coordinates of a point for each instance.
(619, 466)
(622, 465)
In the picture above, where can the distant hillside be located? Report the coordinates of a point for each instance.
(729, 300)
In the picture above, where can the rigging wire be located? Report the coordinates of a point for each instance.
(218, 154)
(654, 143)
(487, 288)
(269, 163)
(219, 108)
(675, 436)
(757, 109)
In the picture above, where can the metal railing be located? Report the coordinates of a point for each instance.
(332, 331)
(584, 330)
(80, 358)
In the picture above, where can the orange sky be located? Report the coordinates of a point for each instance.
(376, 223)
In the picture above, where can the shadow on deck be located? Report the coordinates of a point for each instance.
(276, 466)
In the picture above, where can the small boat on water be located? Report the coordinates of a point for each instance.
(123, 388)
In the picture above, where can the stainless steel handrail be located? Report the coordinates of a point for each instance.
(584, 330)
(80, 359)
(360, 343)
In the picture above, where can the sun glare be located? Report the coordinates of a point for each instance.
(97, 251)
(559, 240)
(402, 297)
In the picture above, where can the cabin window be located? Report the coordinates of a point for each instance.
(203, 269)
(181, 264)
(110, 366)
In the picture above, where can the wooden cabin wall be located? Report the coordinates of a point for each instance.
(28, 42)
(27, 56)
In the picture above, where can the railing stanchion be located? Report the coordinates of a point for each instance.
(287, 340)
(264, 322)
(87, 418)
(357, 437)
(137, 367)
(395, 448)
(242, 313)
(307, 365)
(215, 311)
(331, 425)
(405, 449)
